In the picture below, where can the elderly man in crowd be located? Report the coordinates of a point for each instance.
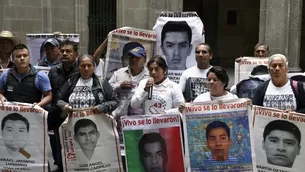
(280, 92)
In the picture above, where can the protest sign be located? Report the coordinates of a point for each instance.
(90, 143)
(153, 143)
(277, 140)
(23, 141)
(121, 41)
(244, 68)
(217, 136)
(178, 34)
(35, 42)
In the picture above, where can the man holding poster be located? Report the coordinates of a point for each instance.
(281, 143)
(152, 148)
(176, 38)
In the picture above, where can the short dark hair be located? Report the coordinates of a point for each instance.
(19, 47)
(259, 70)
(84, 56)
(261, 44)
(15, 117)
(176, 26)
(150, 138)
(160, 62)
(83, 123)
(205, 44)
(283, 126)
(221, 74)
(217, 124)
(68, 42)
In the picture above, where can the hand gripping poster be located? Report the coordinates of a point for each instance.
(244, 68)
(90, 143)
(178, 34)
(153, 143)
(23, 140)
(123, 40)
(217, 136)
(35, 43)
(278, 140)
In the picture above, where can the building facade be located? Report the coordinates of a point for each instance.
(232, 27)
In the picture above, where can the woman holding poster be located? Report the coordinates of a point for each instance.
(157, 94)
(218, 80)
(85, 90)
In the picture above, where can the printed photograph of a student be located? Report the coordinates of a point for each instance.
(281, 143)
(176, 44)
(153, 152)
(15, 134)
(86, 135)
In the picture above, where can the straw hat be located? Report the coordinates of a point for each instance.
(5, 34)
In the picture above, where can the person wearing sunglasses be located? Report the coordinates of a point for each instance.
(193, 80)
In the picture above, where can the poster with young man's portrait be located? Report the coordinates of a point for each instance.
(217, 136)
(153, 143)
(23, 138)
(90, 142)
(121, 41)
(178, 34)
(278, 140)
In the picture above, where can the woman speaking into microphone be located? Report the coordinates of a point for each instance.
(157, 94)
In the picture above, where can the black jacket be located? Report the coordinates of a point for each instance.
(259, 95)
(105, 97)
(58, 77)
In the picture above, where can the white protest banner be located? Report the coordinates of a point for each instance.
(121, 41)
(217, 136)
(23, 141)
(35, 41)
(178, 34)
(244, 68)
(90, 143)
(153, 143)
(277, 140)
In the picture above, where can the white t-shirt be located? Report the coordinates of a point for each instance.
(207, 97)
(193, 82)
(166, 97)
(280, 97)
(82, 96)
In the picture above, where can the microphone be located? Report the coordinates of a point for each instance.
(150, 90)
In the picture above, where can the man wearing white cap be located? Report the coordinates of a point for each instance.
(51, 49)
(7, 42)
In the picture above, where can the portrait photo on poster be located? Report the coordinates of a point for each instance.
(86, 135)
(219, 143)
(153, 152)
(177, 38)
(279, 144)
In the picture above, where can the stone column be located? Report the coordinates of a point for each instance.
(47, 16)
(280, 28)
(81, 24)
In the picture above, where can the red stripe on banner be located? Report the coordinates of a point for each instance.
(44, 142)
(116, 144)
(173, 141)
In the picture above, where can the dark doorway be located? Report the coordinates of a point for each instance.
(231, 27)
(101, 20)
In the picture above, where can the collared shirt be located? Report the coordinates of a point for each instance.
(125, 95)
(166, 97)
